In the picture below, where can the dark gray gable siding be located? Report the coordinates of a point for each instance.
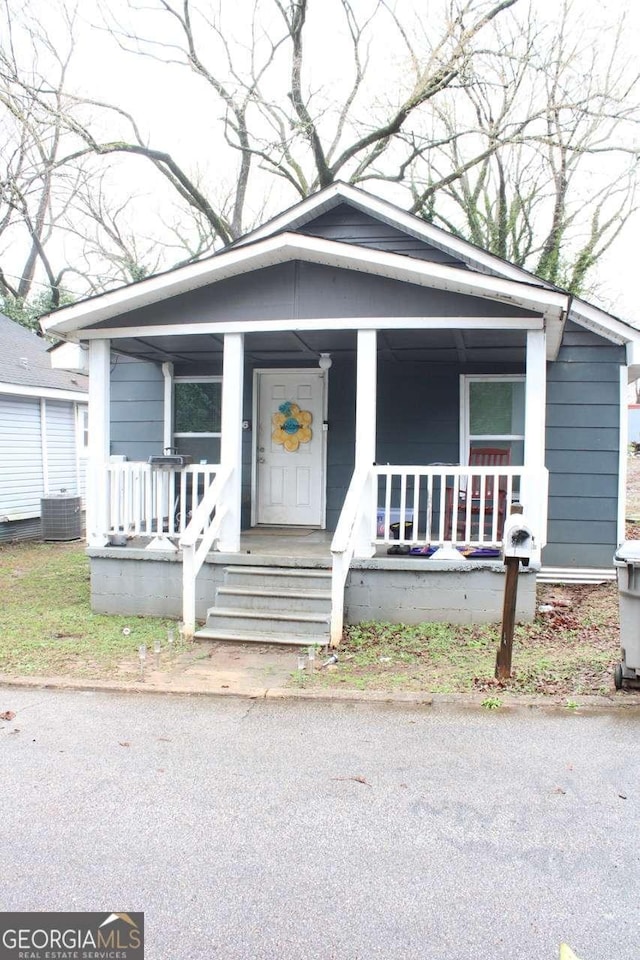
(306, 291)
(349, 225)
(582, 445)
(137, 408)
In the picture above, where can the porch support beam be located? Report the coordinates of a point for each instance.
(231, 439)
(293, 325)
(366, 395)
(99, 441)
(366, 430)
(535, 490)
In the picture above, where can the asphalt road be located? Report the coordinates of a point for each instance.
(240, 829)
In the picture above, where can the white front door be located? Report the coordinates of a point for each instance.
(289, 455)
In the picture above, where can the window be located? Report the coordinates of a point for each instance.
(493, 415)
(82, 429)
(196, 407)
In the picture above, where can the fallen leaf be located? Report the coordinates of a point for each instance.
(7, 715)
(355, 779)
(560, 790)
(124, 743)
(622, 796)
(225, 686)
(166, 739)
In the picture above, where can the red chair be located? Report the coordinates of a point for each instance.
(481, 457)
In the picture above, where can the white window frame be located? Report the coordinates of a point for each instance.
(218, 379)
(82, 429)
(465, 409)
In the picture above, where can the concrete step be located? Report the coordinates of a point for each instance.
(289, 601)
(268, 622)
(237, 636)
(295, 579)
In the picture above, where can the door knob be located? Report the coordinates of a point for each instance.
(262, 459)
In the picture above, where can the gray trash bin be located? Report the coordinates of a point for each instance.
(627, 564)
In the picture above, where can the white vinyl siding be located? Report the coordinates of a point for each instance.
(27, 452)
(61, 448)
(21, 474)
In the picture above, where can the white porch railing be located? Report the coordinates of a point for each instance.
(446, 504)
(353, 532)
(433, 505)
(145, 500)
(198, 539)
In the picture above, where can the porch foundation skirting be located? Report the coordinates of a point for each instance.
(133, 582)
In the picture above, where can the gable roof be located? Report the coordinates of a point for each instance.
(25, 362)
(582, 312)
(471, 270)
(283, 247)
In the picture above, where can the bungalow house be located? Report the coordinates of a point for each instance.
(43, 432)
(330, 419)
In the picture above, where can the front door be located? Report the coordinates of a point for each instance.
(290, 440)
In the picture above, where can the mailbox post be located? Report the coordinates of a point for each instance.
(518, 545)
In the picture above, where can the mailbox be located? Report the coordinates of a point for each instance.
(518, 539)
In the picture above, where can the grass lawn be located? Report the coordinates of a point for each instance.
(46, 624)
(568, 651)
(47, 628)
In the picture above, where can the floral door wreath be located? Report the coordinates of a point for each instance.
(291, 426)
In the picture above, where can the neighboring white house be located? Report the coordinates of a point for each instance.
(43, 431)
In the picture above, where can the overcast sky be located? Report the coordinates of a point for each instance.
(164, 99)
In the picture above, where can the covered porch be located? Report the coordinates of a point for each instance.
(204, 513)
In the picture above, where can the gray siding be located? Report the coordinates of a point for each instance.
(306, 291)
(583, 437)
(137, 408)
(21, 476)
(348, 225)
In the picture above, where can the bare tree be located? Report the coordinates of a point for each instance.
(489, 120)
(554, 127)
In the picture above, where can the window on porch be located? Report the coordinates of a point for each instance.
(492, 411)
(197, 404)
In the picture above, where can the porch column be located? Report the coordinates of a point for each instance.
(366, 420)
(535, 484)
(99, 442)
(366, 394)
(231, 440)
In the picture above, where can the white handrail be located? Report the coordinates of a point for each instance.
(355, 523)
(204, 527)
(145, 500)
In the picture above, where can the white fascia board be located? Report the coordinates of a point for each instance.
(49, 393)
(600, 322)
(285, 247)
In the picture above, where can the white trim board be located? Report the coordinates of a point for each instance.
(316, 323)
(49, 393)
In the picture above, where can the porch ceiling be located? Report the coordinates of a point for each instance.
(204, 351)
